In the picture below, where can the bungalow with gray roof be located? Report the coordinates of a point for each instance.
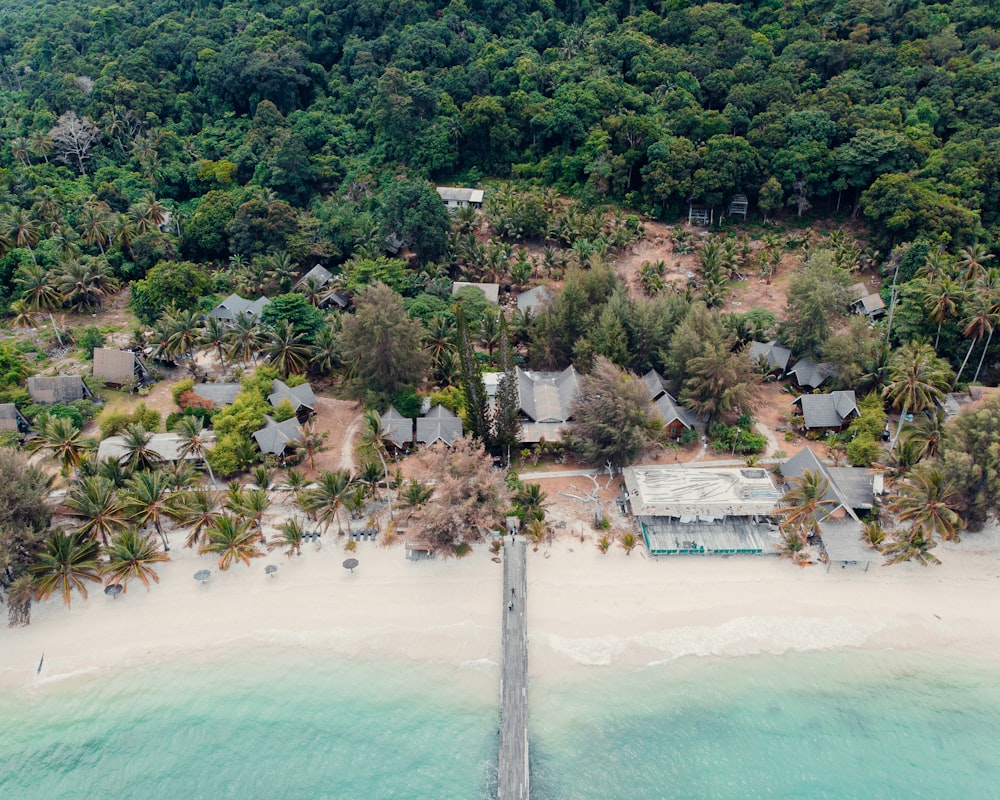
(58, 389)
(831, 412)
(491, 291)
(118, 367)
(533, 299)
(455, 197)
(439, 424)
(234, 305)
(776, 356)
(11, 419)
(220, 394)
(867, 303)
(809, 374)
(301, 397)
(397, 429)
(276, 437)
(676, 418)
(319, 275)
(168, 446)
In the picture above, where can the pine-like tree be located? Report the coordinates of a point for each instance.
(477, 410)
(507, 425)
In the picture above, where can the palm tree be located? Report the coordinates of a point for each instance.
(324, 358)
(281, 270)
(941, 300)
(972, 261)
(132, 554)
(148, 214)
(288, 350)
(215, 335)
(252, 506)
(531, 498)
(22, 315)
(38, 288)
(793, 546)
(62, 440)
(233, 539)
(148, 501)
(185, 332)
(290, 537)
(917, 380)
(310, 443)
(197, 510)
(194, 441)
(927, 498)
(372, 440)
(95, 224)
(138, 455)
(326, 499)
(369, 476)
(629, 541)
(245, 338)
(979, 323)
(989, 288)
(912, 545)
(415, 494)
(926, 433)
(19, 229)
(66, 562)
(84, 284)
(806, 505)
(96, 501)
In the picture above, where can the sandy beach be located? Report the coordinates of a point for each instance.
(586, 610)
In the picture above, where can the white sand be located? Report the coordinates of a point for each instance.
(585, 609)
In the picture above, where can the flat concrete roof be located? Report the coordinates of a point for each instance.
(701, 494)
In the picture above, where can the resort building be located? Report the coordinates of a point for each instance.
(491, 291)
(455, 197)
(867, 303)
(11, 419)
(302, 398)
(397, 429)
(439, 425)
(234, 305)
(58, 389)
(276, 437)
(119, 367)
(219, 394)
(534, 299)
(773, 354)
(544, 401)
(676, 418)
(827, 412)
(167, 446)
(684, 511)
(810, 375)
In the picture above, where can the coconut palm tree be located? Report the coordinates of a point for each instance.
(194, 441)
(926, 498)
(369, 476)
(629, 541)
(373, 441)
(148, 501)
(22, 315)
(793, 546)
(132, 554)
(972, 261)
(310, 443)
(196, 510)
(148, 214)
(806, 505)
(38, 288)
(215, 335)
(138, 456)
(989, 289)
(415, 494)
(245, 338)
(281, 271)
(233, 539)
(941, 299)
(324, 358)
(531, 498)
(325, 500)
(926, 433)
(288, 350)
(252, 506)
(95, 500)
(62, 440)
(289, 537)
(917, 380)
(914, 544)
(68, 561)
(19, 229)
(83, 285)
(95, 224)
(185, 332)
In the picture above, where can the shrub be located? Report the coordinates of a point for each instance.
(147, 417)
(89, 340)
(70, 412)
(283, 411)
(688, 436)
(113, 421)
(863, 451)
(189, 399)
(180, 388)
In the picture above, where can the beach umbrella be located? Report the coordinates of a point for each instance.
(350, 564)
(270, 569)
(113, 590)
(202, 575)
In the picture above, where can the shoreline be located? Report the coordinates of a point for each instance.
(586, 611)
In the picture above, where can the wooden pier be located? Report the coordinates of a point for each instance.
(512, 765)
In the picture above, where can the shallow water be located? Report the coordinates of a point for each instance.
(297, 724)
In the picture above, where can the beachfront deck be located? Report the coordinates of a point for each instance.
(734, 536)
(512, 763)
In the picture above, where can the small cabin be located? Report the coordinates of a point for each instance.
(455, 197)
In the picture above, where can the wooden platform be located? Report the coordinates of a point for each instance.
(512, 764)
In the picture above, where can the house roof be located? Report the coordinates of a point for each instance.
(656, 386)
(955, 401)
(534, 432)
(299, 396)
(397, 428)
(533, 298)
(459, 194)
(234, 305)
(116, 366)
(166, 445)
(668, 409)
(826, 410)
(275, 437)
(700, 494)
(858, 290)
(10, 417)
(439, 423)
(222, 394)
(547, 396)
(842, 540)
(57, 389)
(318, 274)
(810, 374)
(336, 297)
(870, 304)
(850, 487)
(490, 290)
(776, 355)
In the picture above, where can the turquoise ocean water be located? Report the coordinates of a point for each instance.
(298, 724)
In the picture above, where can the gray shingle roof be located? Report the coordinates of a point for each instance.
(460, 194)
(547, 396)
(812, 375)
(318, 274)
(439, 423)
(166, 445)
(656, 386)
(842, 540)
(827, 410)
(117, 366)
(222, 394)
(275, 437)
(490, 290)
(234, 305)
(299, 396)
(850, 487)
(10, 418)
(397, 428)
(57, 389)
(668, 409)
(776, 355)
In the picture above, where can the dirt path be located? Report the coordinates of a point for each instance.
(339, 420)
(347, 445)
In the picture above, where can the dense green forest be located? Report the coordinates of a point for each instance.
(886, 110)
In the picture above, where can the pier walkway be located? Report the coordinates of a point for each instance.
(512, 765)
